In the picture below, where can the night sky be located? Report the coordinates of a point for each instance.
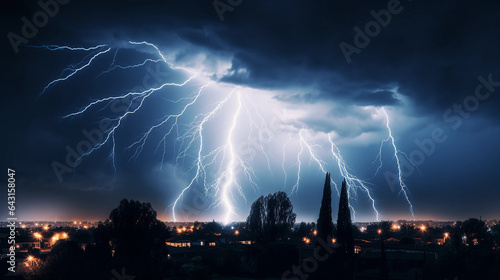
(280, 77)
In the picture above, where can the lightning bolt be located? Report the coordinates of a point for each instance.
(390, 139)
(321, 164)
(114, 66)
(299, 164)
(283, 161)
(352, 181)
(225, 182)
(314, 157)
(73, 71)
(58, 48)
(229, 175)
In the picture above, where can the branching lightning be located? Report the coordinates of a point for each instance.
(225, 183)
(390, 139)
(74, 71)
(352, 181)
(219, 168)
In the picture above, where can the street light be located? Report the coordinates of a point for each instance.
(37, 235)
(423, 228)
(30, 260)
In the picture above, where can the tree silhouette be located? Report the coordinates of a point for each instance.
(98, 254)
(344, 224)
(271, 217)
(256, 219)
(325, 221)
(213, 228)
(345, 239)
(495, 230)
(65, 261)
(472, 255)
(326, 268)
(138, 238)
(476, 232)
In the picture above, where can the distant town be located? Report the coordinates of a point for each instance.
(418, 241)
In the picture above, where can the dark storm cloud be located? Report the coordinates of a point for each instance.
(433, 51)
(377, 98)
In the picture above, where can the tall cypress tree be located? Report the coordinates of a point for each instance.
(325, 221)
(325, 269)
(345, 237)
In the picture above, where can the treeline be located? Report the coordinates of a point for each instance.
(130, 243)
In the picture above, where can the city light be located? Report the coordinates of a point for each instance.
(315, 232)
(446, 235)
(422, 228)
(37, 235)
(30, 260)
(58, 236)
(362, 229)
(46, 228)
(334, 240)
(379, 231)
(236, 232)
